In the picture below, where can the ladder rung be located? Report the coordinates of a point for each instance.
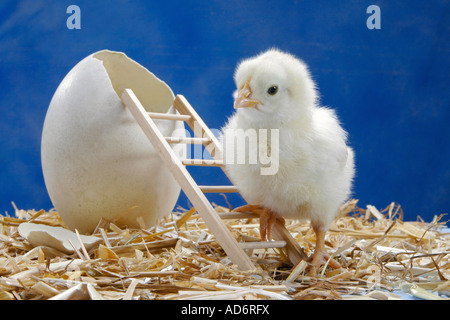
(262, 244)
(187, 140)
(238, 215)
(202, 162)
(169, 116)
(218, 189)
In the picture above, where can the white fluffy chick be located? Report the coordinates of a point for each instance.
(316, 167)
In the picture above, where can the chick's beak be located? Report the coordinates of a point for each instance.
(244, 100)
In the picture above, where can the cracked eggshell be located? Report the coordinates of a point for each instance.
(96, 160)
(55, 237)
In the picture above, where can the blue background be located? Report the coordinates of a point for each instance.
(389, 86)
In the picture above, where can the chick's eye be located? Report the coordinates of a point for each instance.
(272, 90)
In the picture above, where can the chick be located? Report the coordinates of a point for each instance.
(316, 167)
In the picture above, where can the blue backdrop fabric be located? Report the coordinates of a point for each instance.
(389, 86)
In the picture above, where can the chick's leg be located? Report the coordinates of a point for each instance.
(267, 219)
(320, 255)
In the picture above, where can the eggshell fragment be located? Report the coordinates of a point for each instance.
(96, 160)
(55, 237)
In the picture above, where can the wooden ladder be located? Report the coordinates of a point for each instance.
(195, 193)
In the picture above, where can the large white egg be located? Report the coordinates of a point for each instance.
(96, 160)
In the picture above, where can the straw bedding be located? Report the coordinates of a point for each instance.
(179, 259)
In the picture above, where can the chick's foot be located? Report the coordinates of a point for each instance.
(320, 256)
(318, 259)
(267, 219)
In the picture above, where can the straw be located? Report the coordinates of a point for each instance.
(179, 258)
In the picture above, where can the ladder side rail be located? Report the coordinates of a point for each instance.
(185, 108)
